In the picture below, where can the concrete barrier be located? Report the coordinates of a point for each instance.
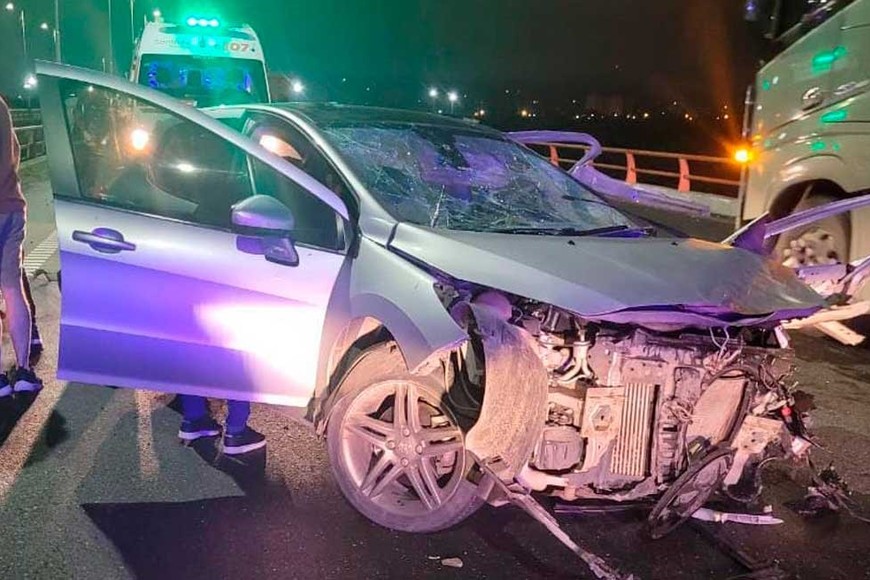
(32, 140)
(28, 128)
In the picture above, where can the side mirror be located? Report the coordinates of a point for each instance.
(264, 214)
(268, 223)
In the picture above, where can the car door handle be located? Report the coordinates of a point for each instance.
(104, 240)
(812, 98)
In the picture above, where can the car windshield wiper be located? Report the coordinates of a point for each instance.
(621, 231)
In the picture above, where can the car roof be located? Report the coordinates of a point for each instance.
(325, 114)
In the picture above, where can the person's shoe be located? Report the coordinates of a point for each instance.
(244, 442)
(26, 381)
(193, 430)
(5, 387)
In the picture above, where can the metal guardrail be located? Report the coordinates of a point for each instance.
(28, 128)
(722, 177)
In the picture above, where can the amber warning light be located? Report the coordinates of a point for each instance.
(743, 155)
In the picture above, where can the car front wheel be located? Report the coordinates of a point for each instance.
(396, 449)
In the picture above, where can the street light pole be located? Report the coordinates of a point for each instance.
(56, 33)
(111, 41)
(132, 24)
(23, 36)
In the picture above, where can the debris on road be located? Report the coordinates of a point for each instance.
(708, 515)
(452, 562)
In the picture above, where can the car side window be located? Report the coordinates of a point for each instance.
(316, 223)
(131, 155)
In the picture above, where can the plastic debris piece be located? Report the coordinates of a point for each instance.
(452, 562)
(708, 515)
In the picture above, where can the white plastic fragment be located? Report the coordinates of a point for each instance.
(452, 562)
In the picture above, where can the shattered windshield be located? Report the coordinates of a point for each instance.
(466, 179)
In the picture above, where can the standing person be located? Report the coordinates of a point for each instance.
(12, 223)
(198, 423)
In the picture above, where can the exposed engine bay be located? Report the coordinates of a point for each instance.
(629, 410)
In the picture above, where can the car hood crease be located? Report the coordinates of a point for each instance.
(597, 277)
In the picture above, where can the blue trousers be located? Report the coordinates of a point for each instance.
(196, 408)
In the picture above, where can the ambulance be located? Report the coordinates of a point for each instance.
(202, 62)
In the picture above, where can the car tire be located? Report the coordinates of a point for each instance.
(824, 242)
(380, 370)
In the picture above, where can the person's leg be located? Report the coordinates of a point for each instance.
(193, 407)
(35, 339)
(17, 308)
(197, 422)
(237, 416)
(239, 438)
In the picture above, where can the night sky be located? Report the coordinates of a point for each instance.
(699, 52)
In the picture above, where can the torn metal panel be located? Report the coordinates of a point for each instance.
(806, 217)
(514, 405)
(688, 282)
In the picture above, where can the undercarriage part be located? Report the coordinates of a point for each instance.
(527, 503)
(755, 434)
(689, 492)
(559, 448)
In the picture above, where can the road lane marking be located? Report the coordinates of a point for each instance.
(149, 466)
(38, 256)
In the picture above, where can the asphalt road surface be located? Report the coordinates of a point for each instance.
(93, 484)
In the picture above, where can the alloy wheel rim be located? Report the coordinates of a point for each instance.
(402, 450)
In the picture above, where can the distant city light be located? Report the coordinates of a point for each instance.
(214, 23)
(646, 115)
(10, 6)
(725, 116)
(452, 96)
(297, 87)
(191, 21)
(29, 82)
(44, 26)
(157, 13)
(524, 113)
(433, 93)
(185, 167)
(482, 112)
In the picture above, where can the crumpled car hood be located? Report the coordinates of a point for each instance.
(649, 281)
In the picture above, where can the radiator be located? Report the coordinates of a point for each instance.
(632, 451)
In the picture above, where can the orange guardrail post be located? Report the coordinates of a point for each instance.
(630, 168)
(685, 183)
(554, 155)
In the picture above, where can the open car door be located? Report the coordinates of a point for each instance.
(162, 288)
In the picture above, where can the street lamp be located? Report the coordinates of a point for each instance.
(433, 94)
(10, 7)
(452, 96)
(297, 87)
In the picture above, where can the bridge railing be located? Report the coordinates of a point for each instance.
(28, 128)
(680, 171)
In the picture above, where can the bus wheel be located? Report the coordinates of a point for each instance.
(823, 242)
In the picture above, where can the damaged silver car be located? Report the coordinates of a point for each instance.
(465, 322)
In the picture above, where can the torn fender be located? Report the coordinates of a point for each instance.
(515, 394)
(402, 297)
